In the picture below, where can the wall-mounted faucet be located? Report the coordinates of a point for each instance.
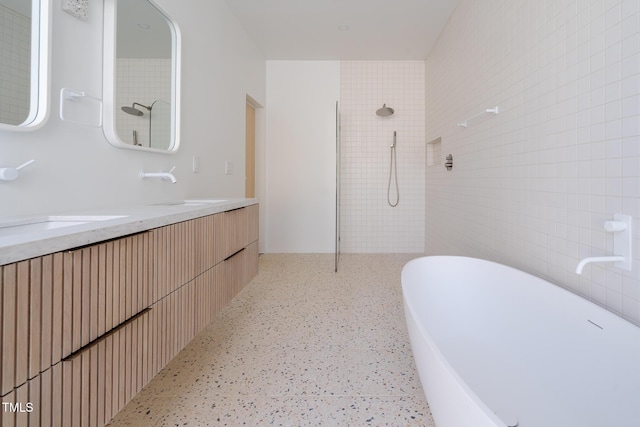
(11, 174)
(621, 227)
(161, 175)
(591, 259)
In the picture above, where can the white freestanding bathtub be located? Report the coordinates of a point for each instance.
(495, 346)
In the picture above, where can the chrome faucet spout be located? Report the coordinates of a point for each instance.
(597, 259)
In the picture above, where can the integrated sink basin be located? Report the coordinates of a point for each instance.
(191, 202)
(14, 227)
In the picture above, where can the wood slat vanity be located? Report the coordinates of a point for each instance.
(84, 329)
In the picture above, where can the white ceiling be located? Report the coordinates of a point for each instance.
(143, 31)
(378, 29)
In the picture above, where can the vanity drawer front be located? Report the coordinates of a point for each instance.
(51, 306)
(209, 242)
(15, 280)
(236, 231)
(31, 302)
(175, 257)
(103, 286)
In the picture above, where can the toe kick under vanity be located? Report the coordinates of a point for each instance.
(92, 312)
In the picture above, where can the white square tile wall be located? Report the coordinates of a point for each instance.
(368, 223)
(15, 66)
(144, 81)
(532, 186)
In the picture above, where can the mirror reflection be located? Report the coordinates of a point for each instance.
(144, 77)
(18, 62)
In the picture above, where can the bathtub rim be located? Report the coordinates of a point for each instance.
(555, 286)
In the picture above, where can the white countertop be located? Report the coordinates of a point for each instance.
(133, 219)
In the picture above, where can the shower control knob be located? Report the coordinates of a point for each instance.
(449, 162)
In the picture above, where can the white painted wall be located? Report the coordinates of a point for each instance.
(301, 155)
(532, 186)
(77, 168)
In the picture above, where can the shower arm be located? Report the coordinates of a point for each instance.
(144, 106)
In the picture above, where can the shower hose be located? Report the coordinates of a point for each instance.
(393, 171)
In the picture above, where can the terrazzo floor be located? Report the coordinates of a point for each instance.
(299, 346)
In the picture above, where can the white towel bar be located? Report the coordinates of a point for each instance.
(494, 110)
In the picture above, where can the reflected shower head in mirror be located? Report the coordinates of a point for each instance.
(385, 111)
(133, 110)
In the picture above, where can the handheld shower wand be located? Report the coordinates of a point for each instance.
(393, 167)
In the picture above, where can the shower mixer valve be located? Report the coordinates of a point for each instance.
(449, 162)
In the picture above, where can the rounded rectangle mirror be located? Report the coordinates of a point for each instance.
(141, 76)
(24, 63)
